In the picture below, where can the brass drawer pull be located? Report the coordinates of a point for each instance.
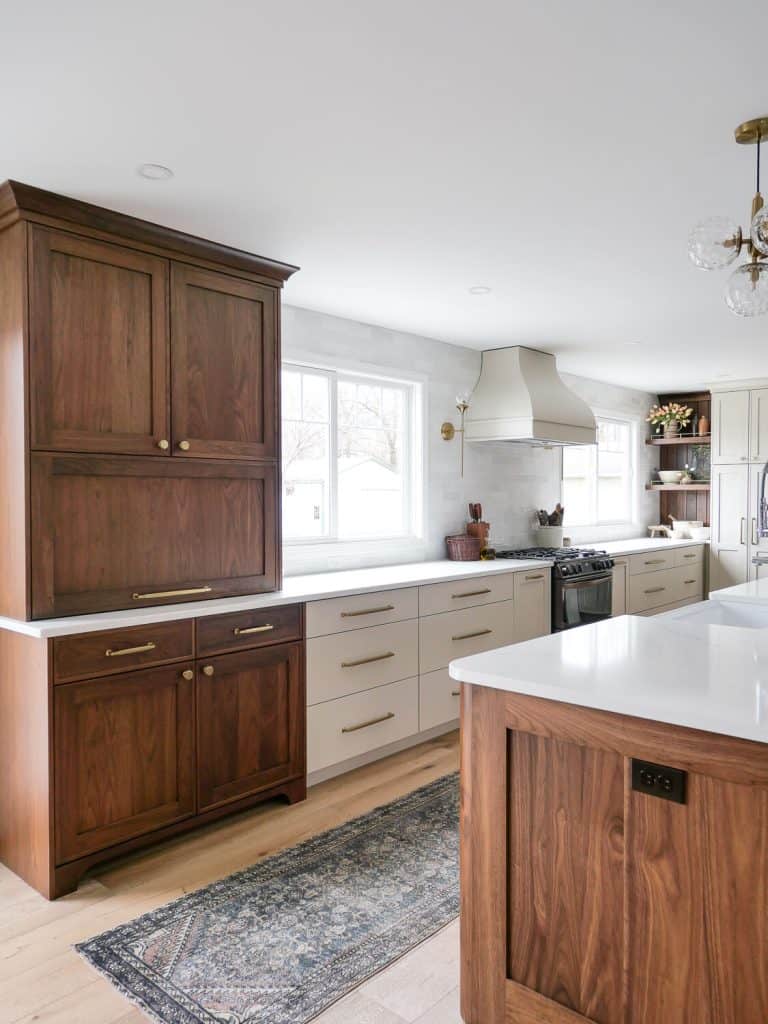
(472, 593)
(141, 649)
(655, 561)
(686, 582)
(252, 629)
(172, 593)
(372, 721)
(654, 590)
(367, 661)
(469, 636)
(455, 693)
(536, 576)
(690, 556)
(368, 611)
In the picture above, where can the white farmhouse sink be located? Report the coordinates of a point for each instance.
(721, 613)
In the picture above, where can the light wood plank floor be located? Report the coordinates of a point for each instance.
(43, 980)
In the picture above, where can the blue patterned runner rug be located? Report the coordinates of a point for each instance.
(282, 940)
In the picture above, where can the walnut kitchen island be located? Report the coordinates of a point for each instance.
(614, 826)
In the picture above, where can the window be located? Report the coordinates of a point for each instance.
(598, 479)
(350, 457)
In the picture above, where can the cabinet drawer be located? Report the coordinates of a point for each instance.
(218, 634)
(465, 593)
(438, 699)
(458, 634)
(349, 662)
(116, 650)
(689, 556)
(652, 589)
(690, 582)
(651, 561)
(359, 611)
(340, 729)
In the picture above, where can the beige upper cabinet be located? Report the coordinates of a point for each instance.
(730, 427)
(740, 426)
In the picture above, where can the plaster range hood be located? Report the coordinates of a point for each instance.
(521, 398)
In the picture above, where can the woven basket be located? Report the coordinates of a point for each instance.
(462, 548)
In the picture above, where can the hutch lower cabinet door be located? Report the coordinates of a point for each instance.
(98, 346)
(124, 757)
(121, 532)
(224, 365)
(250, 722)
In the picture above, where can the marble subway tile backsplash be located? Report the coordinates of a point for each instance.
(509, 480)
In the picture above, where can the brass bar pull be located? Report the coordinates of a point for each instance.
(141, 649)
(252, 629)
(696, 556)
(472, 593)
(655, 561)
(685, 582)
(372, 721)
(367, 661)
(368, 611)
(536, 576)
(455, 693)
(469, 636)
(654, 590)
(172, 593)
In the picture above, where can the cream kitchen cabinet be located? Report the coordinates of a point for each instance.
(377, 663)
(729, 545)
(658, 583)
(740, 426)
(619, 595)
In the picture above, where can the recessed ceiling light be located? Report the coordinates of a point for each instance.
(479, 289)
(155, 172)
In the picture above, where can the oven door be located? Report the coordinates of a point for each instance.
(579, 602)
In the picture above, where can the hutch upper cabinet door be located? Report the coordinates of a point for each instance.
(124, 757)
(119, 532)
(250, 722)
(98, 332)
(224, 365)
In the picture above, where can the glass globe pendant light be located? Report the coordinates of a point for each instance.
(717, 242)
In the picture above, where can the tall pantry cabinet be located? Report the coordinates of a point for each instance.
(739, 451)
(139, 409)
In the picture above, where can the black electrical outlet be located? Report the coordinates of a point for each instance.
(658, 780)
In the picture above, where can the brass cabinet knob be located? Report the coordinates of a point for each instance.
(184, 446)
(208, 670)
(187, 674)
(163, 445)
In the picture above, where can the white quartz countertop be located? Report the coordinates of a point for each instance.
(640, 545)
(754, 592)
(295, 589)
(315, 587)
(715, 680)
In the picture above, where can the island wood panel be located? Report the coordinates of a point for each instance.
(566, 873)
(250, 722)
(124, 755)
(224, 365)
(14, 600)
(683, 936)
(98, 346)
(698, 905)
(105, 529)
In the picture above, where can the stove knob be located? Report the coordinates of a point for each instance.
(566, 570)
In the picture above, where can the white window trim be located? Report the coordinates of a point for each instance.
(633, 422)
(305, 551)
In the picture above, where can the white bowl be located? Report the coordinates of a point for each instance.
(699, 532)
(670, 476)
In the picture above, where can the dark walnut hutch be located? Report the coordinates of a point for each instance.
(139, 466)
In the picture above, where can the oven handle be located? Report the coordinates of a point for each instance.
(591, 582)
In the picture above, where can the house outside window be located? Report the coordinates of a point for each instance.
(598, 480)
(351, 456)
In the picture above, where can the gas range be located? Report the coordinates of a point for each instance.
(570, 563)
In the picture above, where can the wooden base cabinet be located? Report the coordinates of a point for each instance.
(585, 900)
(95, 765)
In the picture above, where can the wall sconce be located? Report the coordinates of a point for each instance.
(448, 431)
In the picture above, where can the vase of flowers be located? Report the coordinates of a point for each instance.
(672, 417)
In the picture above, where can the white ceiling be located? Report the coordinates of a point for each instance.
(401, 152)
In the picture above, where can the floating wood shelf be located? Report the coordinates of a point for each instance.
(677, 487)
(680, 439)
